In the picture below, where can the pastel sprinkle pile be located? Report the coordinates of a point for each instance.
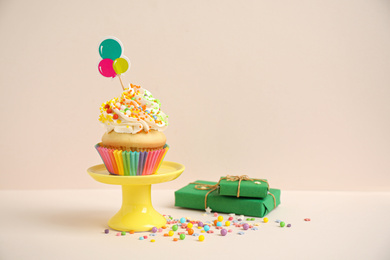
(179, 229)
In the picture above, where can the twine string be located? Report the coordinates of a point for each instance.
(202, 186)
(274, 198)
(239, 179)
(245, 178)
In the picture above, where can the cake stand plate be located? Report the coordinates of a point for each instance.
(137, 212)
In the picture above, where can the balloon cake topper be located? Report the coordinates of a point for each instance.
(113, 62)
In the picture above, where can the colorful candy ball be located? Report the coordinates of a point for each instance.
(154, 229)
(223, 232)
(182, 220)
(190, 225)
(200, 224)
(265, 220)
(201, 237)
(174, 227)
(282, 224)
(227, 223)
(182, 236)
(171, 233)
(206, 228)
(245, 226)
(220, 218)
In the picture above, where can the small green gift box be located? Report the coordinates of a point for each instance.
(204, 194)
(243, 186)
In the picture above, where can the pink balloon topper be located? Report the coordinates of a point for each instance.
(106, 69)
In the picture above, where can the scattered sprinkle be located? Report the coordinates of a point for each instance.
(188, 228)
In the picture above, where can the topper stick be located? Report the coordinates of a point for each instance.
(119, 76)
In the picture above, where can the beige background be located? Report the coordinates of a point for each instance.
(293, 91)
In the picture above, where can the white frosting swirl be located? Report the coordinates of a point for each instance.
(136, 110)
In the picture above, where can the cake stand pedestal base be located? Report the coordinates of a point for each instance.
(137, 212)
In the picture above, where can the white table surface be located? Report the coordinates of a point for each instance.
(69, 224)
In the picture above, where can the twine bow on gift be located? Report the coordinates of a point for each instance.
(242, 178)
(201, 186)
(214, 187)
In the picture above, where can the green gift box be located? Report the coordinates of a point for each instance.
(203, 194)
(243, 187)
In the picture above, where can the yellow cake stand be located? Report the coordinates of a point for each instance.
(137, 212)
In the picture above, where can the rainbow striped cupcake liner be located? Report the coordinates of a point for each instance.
(127, 163)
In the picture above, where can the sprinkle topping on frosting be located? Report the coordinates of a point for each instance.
(134, 111)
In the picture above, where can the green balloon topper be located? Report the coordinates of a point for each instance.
(121, 65)
(110, 49)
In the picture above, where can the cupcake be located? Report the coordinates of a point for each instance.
(134, 143)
